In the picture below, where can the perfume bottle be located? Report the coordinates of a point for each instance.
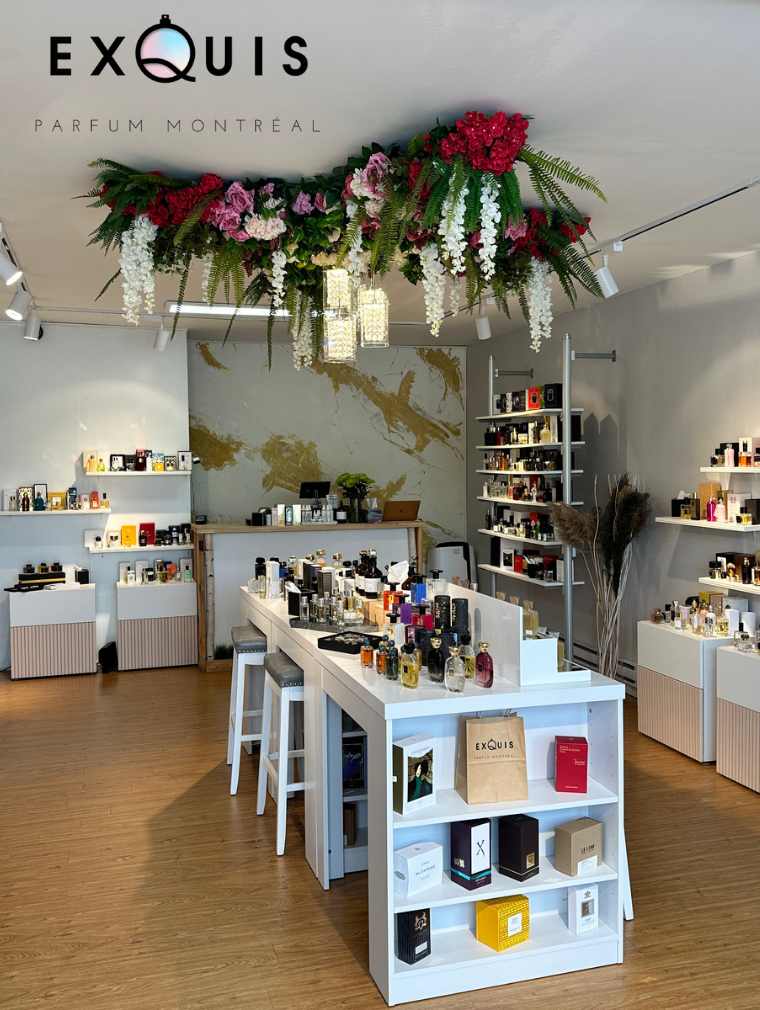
(381, 656)
(435, 660)
(392, 663)
(546, 432)
(410, 667)
(721, 514)
(454, 671)
(530, 620)
(367, 655)
(484, 667)
(467, 653)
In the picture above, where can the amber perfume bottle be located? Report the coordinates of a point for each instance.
(410, 667)
(484, 666)
(367, 655)
(381, 656)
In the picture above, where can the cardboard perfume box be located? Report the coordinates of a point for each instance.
(583, 909)
(501, 923)
(129, 536)
(417, 868)
(413, 935)
(553, 395)
(471, 853)
(518, 846)
(578, 846)
(571, 764)
(413, 773)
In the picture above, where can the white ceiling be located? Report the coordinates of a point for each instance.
(654, 98)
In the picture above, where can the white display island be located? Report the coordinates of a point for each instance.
(387, 711)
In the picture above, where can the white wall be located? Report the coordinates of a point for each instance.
(86, 387)
(686, 379)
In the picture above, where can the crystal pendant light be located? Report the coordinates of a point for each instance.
(338, 290)
(373, 317)
(339, 342)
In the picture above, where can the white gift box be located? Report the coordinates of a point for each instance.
(417, 867)
(583, 909)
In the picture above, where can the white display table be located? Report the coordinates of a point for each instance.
(53, 632)
(739, 716)
(386, 711)
(675, 688)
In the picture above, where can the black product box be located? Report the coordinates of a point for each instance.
(442, 612)
(519, 400)
(422, 640)
(553, 395)
(413, 935)
(675, 507)
(518, 846)
(460, 616)
(294, 604)
(471, 853)
(495, 550)
(40, 578)
(752, 505)
(575, 428)
(82, 576)
(349, 642)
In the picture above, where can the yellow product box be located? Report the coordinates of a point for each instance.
(128, 536)
(501, 923)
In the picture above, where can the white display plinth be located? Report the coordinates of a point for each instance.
(738, 687)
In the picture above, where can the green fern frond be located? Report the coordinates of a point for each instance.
(562, 169)
(181, 292)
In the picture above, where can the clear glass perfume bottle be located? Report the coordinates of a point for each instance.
(484, 666)
(410, 667)
(530, 620)
(454, 672)
(435, 660)
(392, 664)
(546, 432)
(467, 653)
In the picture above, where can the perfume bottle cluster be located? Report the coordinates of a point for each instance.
(534, 488)
(548, 397)
(744, 452)
(528, 525)
(710, 616)
(37, 498)
(736, 566)
(531, 562)
(527, 460)
(714, 505)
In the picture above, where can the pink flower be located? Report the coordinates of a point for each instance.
(239, 198)
(348, 193)
(474, 239)
(302, 204)
(228, 219)
(515, 231)
(320, 202)
(376, 170)
(267, 189)
(213, 212)
(239, 235)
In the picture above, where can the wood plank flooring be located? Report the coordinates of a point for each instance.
(131, 880)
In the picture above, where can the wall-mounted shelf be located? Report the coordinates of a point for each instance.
(138, 473)
(752, 471)
(57, 513)
(518, 539)
(528, 473)
(153, 585)
(525, 414)
(541, 583)
(529, 445)
(153, 549)
(703, 524)
(731, 586)
(521, 504)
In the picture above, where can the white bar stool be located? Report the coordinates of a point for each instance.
(282, 678)
(250, 647)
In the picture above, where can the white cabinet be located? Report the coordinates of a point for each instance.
(53, 632)
(157, 625)
(738, 756)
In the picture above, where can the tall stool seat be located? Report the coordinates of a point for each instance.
(249, 649)
(283, 679)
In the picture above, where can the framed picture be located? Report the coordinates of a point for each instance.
(170, 463)
(40, 491)
(157, 462)
(116, 462)
(184, 459)
(56, 501)
(413, 773)
(25, 491)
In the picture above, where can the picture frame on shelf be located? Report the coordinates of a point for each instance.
(56, 501)
(40, 492)
(414, 784)
(116, 462)
(157, 462)
(184, 459)
(24, 490)
(170, 463)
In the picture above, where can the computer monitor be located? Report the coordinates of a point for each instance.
(311, 489)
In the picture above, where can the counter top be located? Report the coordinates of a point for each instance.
(392, 701)
(305, 527)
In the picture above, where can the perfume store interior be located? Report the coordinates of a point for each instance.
(366, 642)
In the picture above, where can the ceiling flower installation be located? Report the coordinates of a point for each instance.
(445, 209)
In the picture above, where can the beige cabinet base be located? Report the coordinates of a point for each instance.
(670, 711)
(53, 650)
(739, 744)
(159, 641)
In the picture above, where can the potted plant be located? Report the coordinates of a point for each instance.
(354, 487)
(604, 538)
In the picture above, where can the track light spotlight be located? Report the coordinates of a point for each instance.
(605, 279)
(163, 336)
(19, 306)
(9, 272)
(483, 327)
(33, 329)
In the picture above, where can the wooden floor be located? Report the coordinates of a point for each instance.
(131, 880)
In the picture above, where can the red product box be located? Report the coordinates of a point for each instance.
(149, 529)
(571, 764)
(534, 398)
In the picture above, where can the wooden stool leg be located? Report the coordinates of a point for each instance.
(283, 748)
(230, 721)
(264, 746)
(238, 727)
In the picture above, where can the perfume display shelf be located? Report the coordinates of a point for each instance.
(529, 445)
(108, 474)
(157, 624)
(55, 513)
(520, 503)
(704, 524)
(730, 586)
(575, 702)
(518, 539)
(508, 574)
(153, 549)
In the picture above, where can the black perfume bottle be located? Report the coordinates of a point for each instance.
(413, 935)
(436, 659)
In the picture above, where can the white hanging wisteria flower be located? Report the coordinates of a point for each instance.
(206, 262)
(538, 297)
(136, 265)
(434, 286)
(490, 216)
(455, 295)
(279, 262)
(355, 258)
(300, 331)
(451, 227)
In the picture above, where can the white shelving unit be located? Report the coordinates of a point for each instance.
(526, 415)
(703, 524)
(528, 445)
(513, 537)
(730, 586)
(747, 471)
(55, 513)
(519, 504)
(508, 574)
(528, 473)
(108, 474)
(154, 549)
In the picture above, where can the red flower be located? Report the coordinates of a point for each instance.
(573, 231)
(474, 239)
(209, 182)
(413, 174)
(487, 144)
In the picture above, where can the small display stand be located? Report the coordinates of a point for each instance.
(53, 632)
(157, 625)
(738, 732)
(675, 686)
